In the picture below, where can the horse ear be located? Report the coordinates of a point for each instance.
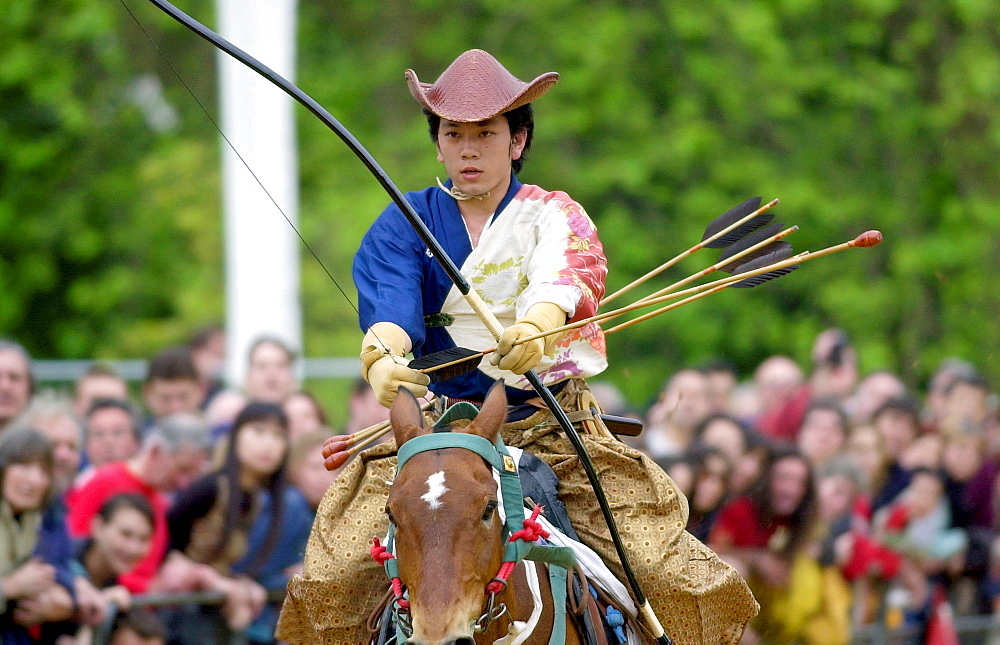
(492, 415)
(405, 417)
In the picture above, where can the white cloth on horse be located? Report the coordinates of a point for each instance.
(520, 630)
(591, 563)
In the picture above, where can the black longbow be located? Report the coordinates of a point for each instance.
(450, 269)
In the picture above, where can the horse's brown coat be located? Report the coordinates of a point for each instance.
(447, 556)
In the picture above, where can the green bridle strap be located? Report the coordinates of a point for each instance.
(558, 584)
(495, 455)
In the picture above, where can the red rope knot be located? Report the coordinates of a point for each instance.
(378, 552)
(532, 528)
(380, 555)
(530, 533)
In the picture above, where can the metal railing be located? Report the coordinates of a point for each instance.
(66, 371)
(972, 630)
(102, 633)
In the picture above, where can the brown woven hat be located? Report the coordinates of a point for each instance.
(476, 87)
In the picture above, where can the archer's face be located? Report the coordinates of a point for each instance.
(478, 156)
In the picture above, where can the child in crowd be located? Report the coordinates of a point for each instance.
(121, 535)
(847, 546)
(214, 537)
(917, 525)
(918, 522)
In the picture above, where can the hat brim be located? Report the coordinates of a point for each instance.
(479, 97)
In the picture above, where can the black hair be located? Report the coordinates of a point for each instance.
(520, 118)
(204, 336)
(836, 354)
(275, 485)
(124, 405)
(719, 364)
(904, 404)
(801, 520)
(359, 387)
(172, 364)
(971, 378)
(121, 501)
(744, 429)
(832, 405)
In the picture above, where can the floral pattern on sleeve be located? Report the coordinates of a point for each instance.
(586, 266)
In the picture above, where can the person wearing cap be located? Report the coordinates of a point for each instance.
(536, 261)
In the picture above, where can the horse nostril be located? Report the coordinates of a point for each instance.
(462, 641)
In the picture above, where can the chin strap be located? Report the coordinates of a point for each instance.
(461, 195)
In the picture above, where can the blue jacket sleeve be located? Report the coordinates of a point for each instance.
(389, 275)
(56, 547)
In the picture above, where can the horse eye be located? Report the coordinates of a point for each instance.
(392, 520)
(488, 513)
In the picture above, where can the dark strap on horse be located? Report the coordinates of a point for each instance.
(540, 484)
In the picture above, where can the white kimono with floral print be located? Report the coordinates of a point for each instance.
(541, 248)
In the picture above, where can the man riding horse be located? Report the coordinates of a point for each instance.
(536, 261)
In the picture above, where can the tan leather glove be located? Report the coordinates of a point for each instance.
(519, 358)
(383, 365)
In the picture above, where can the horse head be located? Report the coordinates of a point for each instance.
(449, 541)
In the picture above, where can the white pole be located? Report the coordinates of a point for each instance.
(262, 256)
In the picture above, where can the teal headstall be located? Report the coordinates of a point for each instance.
(499, 458)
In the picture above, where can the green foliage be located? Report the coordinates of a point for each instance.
(863, 114)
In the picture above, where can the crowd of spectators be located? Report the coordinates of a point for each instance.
(114, 498)
(843, 500)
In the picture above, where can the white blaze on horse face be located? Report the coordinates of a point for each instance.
(435, 489)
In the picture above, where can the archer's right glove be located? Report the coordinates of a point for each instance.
(383, 365)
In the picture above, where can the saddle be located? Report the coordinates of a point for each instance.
(601, 622)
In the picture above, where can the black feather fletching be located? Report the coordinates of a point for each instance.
(761, 262)
(773, 257)
(751, 240)
(464, 365)
(732, 216)
(763, 277)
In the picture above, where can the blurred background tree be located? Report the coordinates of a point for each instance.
(861, 114)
